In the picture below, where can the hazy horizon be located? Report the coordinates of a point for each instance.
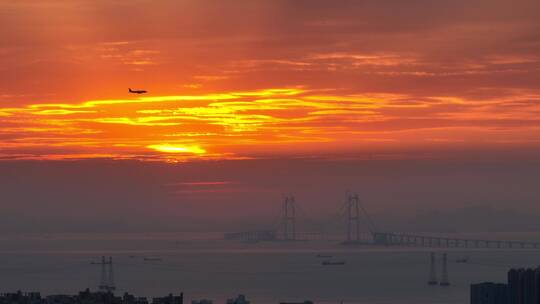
(437, 194)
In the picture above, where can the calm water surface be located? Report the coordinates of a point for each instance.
(203, 266)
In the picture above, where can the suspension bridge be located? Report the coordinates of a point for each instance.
(357, 219)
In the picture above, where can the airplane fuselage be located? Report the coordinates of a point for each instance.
(137, 91)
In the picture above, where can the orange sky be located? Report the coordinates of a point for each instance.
(249, 78)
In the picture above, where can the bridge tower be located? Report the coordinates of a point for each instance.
(111, 275)
(107, 275)
(432, 270)
(353, 217)
(103, 283)
(289, 218)
(444, 275)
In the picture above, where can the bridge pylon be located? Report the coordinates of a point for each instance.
(432, 270)
(289, 218)
(353, 218)
(107, 275)
(444, 275)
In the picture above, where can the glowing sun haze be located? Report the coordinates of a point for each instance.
(239, 79)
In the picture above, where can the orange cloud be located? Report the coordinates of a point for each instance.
(355, 79)
(244, 123)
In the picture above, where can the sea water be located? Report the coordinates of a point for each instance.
(204, 266)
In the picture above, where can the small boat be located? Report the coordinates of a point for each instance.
(462, 260)
(152, 259)
(324, 256)
(332, 263)
(250, 241)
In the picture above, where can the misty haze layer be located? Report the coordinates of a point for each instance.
(446, 195)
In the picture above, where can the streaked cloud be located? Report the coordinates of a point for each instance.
(283, 79)
(246, 123)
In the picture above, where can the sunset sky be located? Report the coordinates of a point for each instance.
(411, 103)
(245, 79)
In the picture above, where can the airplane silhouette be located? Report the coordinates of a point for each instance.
(137, 91)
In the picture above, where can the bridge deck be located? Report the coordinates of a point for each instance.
(390, 239)
(273, 235)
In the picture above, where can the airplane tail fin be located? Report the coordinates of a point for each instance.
(130, 90)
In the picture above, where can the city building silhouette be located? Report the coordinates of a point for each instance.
(523, 287)
(85, 297)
